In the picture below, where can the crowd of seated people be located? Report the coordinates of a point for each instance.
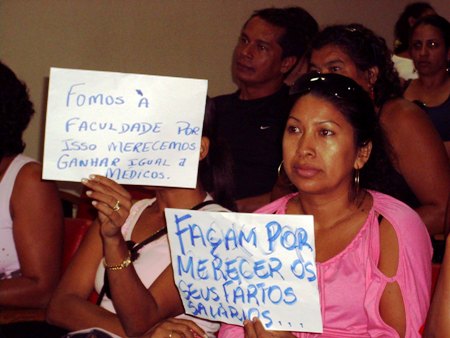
(346, 144)
(355, 51)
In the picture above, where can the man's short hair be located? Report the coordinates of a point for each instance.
(299, 26)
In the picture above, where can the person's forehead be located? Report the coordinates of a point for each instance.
(331, 52)
(317, 107)
(428, 30)
(263, 28)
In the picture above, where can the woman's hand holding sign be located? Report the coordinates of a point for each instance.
(111, 200)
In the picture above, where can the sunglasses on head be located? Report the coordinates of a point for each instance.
(335, 85)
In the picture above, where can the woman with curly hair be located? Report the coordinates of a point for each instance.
(418, 156)
(31, 218)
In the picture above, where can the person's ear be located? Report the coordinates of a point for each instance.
(298, 70)
(287, 63)
(372, 75)
(204, 147)
(363, 155)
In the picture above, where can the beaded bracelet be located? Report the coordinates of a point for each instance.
(125, 263)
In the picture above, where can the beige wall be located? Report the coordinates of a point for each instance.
(187, 38)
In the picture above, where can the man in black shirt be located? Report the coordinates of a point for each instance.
(252, 119)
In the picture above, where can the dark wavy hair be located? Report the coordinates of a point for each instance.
(438, 22)
(367, 50)
(16, 111)
(300, 28)
(356, 106)
(215, 171)
(402, 27)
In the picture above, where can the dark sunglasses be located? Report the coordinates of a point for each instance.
(336, 85)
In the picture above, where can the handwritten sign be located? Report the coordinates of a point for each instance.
(135, 129)
(230, 267)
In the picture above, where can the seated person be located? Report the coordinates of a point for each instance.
(356, 52)
(31, 218)
(125, 273)
(372, 250)
(402, 58)
(430, 48)
(251, 120)
(31, 221)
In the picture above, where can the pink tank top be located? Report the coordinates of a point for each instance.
(350, 284)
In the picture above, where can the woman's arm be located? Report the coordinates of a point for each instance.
(38, 235)
(138, 308)
(69, 306)
(421, 159)
(438, 323)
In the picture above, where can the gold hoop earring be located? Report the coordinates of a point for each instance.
(280, 167)
(283, 178)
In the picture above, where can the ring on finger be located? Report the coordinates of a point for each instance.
(116, 206)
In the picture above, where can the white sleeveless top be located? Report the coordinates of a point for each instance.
(153, 260)
(9, 262)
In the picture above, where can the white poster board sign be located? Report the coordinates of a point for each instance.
(230, 267)
(134, 129)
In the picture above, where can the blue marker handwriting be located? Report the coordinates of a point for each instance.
(144, 147)
(288, 237)
(74, 98)
(76, 124)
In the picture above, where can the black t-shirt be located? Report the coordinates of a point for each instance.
(253, 130)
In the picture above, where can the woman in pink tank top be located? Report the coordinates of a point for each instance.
(373, 252)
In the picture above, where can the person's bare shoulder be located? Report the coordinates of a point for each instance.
(30, 189)
(31, 173)
(406, 125)
(402, 111)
